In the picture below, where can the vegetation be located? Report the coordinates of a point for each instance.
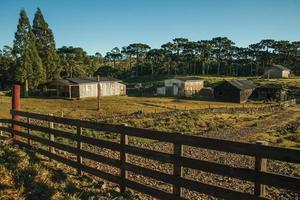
(34, 59)
(26, 176)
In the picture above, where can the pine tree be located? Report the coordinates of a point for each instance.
(29, 68)
(46, 46)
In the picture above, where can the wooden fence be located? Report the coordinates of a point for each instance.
(258, 174)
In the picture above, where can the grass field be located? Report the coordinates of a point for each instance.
(110, 106)
(50, 180)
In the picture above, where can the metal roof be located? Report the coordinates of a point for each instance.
(188, 78)
(75, 81)
(278, 67)
(91, 80)
(242, 84)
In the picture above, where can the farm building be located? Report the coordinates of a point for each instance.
(185, 86)
(277, 71)
(234, 90)
(270, 93)
(87, 87)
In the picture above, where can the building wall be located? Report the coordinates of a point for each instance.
(285, 73)
(171, 82)
(107, 88)
(177, 87)
(193, 87)
(277, 73)
(244, 95)
(228, 93)
(88, 90)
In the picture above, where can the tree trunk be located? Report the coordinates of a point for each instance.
(218, 69)
(26, 88)
(203, 68)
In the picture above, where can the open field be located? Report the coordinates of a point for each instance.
(279, 127)
(110, 106)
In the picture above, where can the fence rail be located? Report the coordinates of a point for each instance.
(258, 175)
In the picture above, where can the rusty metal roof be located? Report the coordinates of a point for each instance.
(242, 84)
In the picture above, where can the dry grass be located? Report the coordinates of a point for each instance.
(26, 176)
(110, 106)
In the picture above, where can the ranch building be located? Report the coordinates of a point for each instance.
(277, 71)
(87, 87)
(185, 86)
(237, 91)
(270, 93)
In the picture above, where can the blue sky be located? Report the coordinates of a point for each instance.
(100, 25)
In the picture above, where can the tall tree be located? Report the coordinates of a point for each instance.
(221, 47)
(140, 51)
(45, 44)
(29, 67)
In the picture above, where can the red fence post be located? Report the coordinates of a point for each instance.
(16, 105)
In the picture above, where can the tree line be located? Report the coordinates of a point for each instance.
(34, 59)
(218, 56)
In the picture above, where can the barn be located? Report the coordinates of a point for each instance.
(237, 91)
(270, 93)
(87, 87)
(182, 86)
(277, 71)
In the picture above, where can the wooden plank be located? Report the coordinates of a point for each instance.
(275, 153)
(90, 170)
(148, 190)
(150, 154)
(51, 136)
(267, 178)
(161, 176)
(5, 121)
(177, 169)
(28, 130)
(5, 129)
(216, 191)
(47, 142)
(68, 135)
(123, 160)
(260, 166)
(83, 153)
(79, 148)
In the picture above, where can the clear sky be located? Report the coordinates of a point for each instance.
(100, 25)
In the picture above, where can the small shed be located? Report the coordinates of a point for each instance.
(237, 91)
(87, 87)
(270, 93)
(181, 86)
(277, 71)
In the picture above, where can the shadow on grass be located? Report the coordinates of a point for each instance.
(24, 174)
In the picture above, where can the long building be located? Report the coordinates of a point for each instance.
(87, 87)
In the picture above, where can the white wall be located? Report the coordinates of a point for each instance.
(107, 88)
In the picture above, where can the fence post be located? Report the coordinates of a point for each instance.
(123, 159)
(177, 169)
(260, 166)
(16, 105)
(1, 133)
(51, 136)
(79, 148)
(28, 129)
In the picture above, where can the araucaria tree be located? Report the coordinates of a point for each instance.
(28, 68)
(45, 45)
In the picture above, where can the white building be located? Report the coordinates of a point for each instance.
(277, 71)
(88, 87)
(185, 86)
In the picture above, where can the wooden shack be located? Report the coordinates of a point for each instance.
(237, 91)
(181, 86)
(270, 93)
(87, 87)
(277, 71)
